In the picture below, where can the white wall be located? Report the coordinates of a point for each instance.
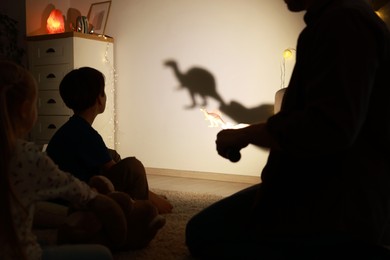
(239, 41)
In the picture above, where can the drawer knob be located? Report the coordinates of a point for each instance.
(51, 76)
(51, 126)
(51, 101)
(50, 50)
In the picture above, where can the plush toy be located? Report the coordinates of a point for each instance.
(113, 219)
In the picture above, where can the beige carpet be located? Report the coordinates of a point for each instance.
(169, 242)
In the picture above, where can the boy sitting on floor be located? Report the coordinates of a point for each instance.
(79, 149)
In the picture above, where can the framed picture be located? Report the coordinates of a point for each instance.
(98, 16)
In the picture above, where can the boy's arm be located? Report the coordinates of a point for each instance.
(108, 165)
(115, 158)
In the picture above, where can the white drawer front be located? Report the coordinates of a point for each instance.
(49, 77)
(50, 51)
(50, 103)
(46, 126)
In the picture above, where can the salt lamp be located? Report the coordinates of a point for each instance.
(55, 22)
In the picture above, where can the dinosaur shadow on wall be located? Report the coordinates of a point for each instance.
(200, 82)
(197, 81)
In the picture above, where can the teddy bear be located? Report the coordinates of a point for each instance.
(113, 219)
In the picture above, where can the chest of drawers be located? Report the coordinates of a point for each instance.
(50, 58)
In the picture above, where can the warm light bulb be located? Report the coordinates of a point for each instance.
(287, 54)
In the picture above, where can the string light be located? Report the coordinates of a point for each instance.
(111, 82)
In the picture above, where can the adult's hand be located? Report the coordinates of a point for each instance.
(229, 143)
(235, 139)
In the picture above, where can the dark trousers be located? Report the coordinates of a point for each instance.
(128, 175)
(223, 230)
(232, 229)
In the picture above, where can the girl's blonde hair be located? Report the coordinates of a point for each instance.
(16, 86)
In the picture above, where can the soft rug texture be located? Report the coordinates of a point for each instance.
(169, 242)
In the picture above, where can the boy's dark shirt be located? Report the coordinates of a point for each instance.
(79, 149)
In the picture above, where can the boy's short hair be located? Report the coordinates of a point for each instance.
(80, 88)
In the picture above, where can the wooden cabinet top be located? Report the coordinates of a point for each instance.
(70, 34)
